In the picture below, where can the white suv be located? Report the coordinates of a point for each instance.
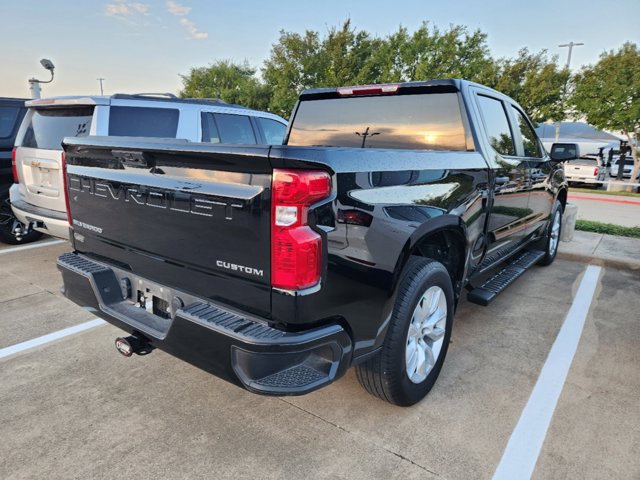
(37, 197)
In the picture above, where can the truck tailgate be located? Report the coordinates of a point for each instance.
(195, 219)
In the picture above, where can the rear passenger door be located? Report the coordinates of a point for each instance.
(509, 214)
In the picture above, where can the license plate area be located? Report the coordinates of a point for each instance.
(150, 297)
(153, 304)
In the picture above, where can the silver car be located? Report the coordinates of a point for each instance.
(37, 197)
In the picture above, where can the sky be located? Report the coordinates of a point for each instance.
(144, 45)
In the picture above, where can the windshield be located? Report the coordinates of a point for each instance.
(423, 121)
(48, 126)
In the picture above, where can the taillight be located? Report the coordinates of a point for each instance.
(64, 185)
(14, 167)
(296, 250)
(595, 172)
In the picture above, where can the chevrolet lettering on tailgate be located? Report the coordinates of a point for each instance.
(177, 201)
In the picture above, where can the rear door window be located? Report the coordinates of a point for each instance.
(48, 126)
(143, 122)
(273, 131)
(496, 125)
(227, 128)
(8, 117)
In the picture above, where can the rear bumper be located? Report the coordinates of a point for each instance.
(45, 220)
(236, 347)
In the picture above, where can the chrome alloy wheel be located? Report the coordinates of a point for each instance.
(426, 334)
(555, 233)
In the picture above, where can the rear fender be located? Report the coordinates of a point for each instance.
(435, 225)
(446, 222)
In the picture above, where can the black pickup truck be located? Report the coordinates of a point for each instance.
(279, 267)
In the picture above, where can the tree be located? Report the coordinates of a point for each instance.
(346, 56)
(229, 82)
(608, 94)
(535, 82)
(298, 61)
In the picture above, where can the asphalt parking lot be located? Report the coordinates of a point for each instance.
(74, 408)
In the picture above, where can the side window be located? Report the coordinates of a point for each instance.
(143, 122)
(273, 131)
(8, 117)
(209, 129)
(235, 129)
(529, 137)
(496, 125)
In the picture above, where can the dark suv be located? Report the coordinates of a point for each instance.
(12, 110)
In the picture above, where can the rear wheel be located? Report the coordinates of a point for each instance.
(552, 240)
(417, 339)
(8, 223)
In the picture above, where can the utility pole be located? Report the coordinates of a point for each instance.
(570, 45)
(365, 135)
(101, 90)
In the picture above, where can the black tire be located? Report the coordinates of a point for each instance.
(385, 375)
(7, 222)
(550, 251)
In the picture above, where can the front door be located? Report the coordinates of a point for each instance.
(528, 147)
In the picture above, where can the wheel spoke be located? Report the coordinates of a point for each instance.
(429, 358)
(412, 357)
(421, 364)
(421, 310)
(435, 331)
(434, 301)
(414, 330)
(434, 320)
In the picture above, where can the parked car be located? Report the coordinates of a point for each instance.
(584, 170)
(12, 111)
(628, 167)
(37, 198)
(278, 268)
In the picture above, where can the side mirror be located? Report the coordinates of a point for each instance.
(562, 152)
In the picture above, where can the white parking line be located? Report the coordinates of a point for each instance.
(30, 246)
(35, 342)
(520, 457)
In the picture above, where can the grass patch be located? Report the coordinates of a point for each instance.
(602, 192)
(607, 228)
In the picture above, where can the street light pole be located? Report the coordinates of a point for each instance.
(570, 45)
(101, 90)
(34, 83)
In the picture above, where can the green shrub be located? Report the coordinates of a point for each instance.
(607, 228)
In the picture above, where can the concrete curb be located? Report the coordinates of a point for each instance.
(611, 262)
